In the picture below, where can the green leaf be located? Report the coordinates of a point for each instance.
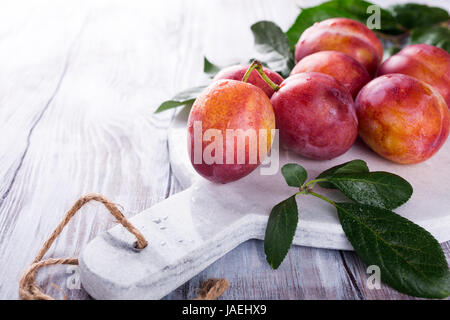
(273, 45)
(294, 174)
(280, 231)
(379, 189)
(209, 68)
(309, 16)
(353, 9)
(186, 97)
(414, 15)
(353, 166)
(410, 259)
(436, 36)
(391, 50)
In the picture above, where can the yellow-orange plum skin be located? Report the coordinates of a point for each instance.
(340, 66)
(344, 35)
(229, 105)
(315, 115)
(424, 62)
(402, 118)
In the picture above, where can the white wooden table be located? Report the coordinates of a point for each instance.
(79, 83)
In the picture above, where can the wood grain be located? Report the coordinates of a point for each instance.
(79, 83)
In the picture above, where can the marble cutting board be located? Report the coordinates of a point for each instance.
(192, 229)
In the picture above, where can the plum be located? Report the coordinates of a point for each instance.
(229, 111)
(424, 62)
(340, 66)
(315, 115)
(237, 72)
(344, 35)
(401, 118)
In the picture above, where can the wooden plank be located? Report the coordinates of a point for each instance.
(307, 273)
(97, 133)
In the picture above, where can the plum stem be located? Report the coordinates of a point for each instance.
(256, 65)
(323, 198)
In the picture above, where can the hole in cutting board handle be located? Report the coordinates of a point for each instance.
(136, 248)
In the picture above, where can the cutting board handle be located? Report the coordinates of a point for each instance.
(180, 245)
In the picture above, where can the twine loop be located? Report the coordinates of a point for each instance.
(28, 290)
